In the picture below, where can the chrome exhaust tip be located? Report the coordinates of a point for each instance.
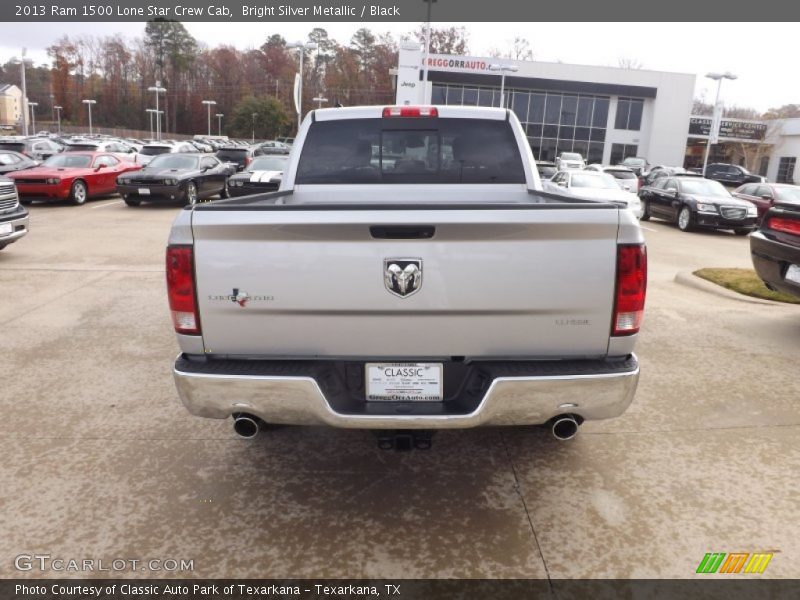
(564, 428)
(246, 426)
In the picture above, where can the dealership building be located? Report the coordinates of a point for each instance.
(605, 113)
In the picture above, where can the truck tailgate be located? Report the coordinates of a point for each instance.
(528, 282)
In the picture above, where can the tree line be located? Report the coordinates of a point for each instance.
(117, 71)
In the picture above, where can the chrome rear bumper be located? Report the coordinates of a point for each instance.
(509, 400)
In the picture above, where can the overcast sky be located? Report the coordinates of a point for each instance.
(766, 69)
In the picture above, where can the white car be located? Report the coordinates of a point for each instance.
(570, 160)
(592, 185)
(626, 178)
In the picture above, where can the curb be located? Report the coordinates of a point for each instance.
(691, 280)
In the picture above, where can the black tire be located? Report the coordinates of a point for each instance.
(132, 201)
(3, 246)
(225, 192)
(743, 231)
(190, 194)
(645, 210)
(25, 201)
(78, 193)
(685, 219)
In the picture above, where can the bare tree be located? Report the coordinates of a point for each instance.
(517, 49)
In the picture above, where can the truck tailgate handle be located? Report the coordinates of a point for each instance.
(402, 232)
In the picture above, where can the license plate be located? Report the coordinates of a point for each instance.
(6, 229)
(144, 191)
(793, 274)
(404, 382)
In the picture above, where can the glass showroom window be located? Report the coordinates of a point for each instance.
(620, 152)
(786, 169)
(554, 122)
(629, 114)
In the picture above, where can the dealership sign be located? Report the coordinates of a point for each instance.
(751, 131)
(458, 63)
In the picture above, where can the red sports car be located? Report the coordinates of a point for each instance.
(75, 176)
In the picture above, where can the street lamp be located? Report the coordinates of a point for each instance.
(151, 112)
(503, 69)
(303, 47)
(219, 123)
(58, 112)
(23, 108)
(713, 134)
(89, 103)
(254, 127)
(33, 106)
(209, 104)
(426, 53)
(320, 100)
(158, 91)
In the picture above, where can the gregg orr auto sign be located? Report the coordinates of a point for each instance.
(729, 128)
(462, 63)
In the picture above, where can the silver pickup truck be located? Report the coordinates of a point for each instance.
(410, 274)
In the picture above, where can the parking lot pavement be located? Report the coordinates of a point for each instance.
(101, 461)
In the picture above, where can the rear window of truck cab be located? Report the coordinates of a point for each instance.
(427, 150)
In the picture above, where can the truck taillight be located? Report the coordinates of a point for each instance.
(631, 288)
(180, 288)
(784, 225)
(410, 111)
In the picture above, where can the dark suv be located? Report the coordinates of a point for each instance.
(731, 174)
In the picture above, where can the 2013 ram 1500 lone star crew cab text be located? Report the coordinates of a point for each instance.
(409, 274)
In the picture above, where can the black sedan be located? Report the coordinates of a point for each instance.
(185, 177)
(262, 175)
(775, 249)
(11, 161)
(694, 202)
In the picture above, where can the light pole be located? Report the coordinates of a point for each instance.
(33, 106)
(89, 103)
(320, 100)
(158, 91)
(303, 47)
(151, 112)
(58, 112)
(209, 104)
(713, 133)
(24, 102)
(427, 50)
(254, 126)
(503, 69)
(219, 123)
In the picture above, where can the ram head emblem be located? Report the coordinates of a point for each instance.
(402, 276)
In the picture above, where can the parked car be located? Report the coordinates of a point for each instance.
(546, 169)
(157, 148)
(570, 160)
(185, 177)
(764, 195)
(625, 177)
(289, 141)
(13, 217)
(262, 175)
(775, 248)
(329, 303)
(664, 171)
(35, 148)
(238, 155)
(638, 165)
(732, 175)
(11, 161)
(591, 185)
(271, 147)
(76, 176)
(113, 146)
(696, 202)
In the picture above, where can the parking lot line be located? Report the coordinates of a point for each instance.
(106, 204)
(648, 228)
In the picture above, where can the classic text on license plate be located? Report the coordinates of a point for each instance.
(404, 382)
